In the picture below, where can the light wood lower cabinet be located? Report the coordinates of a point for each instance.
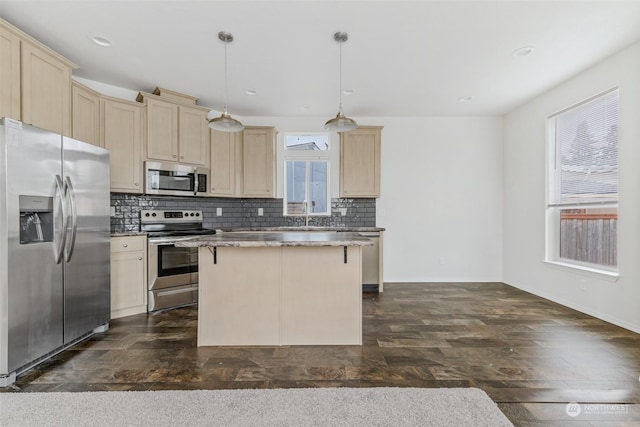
(128, 275)
(280, 296)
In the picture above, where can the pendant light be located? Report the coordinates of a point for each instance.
(340, 123)
(225, 122)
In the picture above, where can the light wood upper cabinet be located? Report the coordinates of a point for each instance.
(193, 136)
(176, 132)
(122, 133)
(46, 90)
(85, 119)
(224, 147)
(128, 275)
(258, 162)
(162, 130)
(43, 85)
(360, 162)
(9, 74)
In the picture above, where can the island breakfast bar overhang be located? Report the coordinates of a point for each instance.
(279, 288)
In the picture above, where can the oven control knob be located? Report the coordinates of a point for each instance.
(153, 214)
(186, 214)
(191, 213)
(197, 213)
(147, 214)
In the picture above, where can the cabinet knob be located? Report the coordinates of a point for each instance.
(139, 258)
(137, 184)
(124, 245)
(181, 157)
(174, 156)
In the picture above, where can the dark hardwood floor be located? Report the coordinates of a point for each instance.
(532, 356)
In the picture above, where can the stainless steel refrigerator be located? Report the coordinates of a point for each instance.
(54, 244)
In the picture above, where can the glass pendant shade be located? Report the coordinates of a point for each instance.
(340, 123)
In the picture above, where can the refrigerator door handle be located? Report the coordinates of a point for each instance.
(74, 219)
(63, 207)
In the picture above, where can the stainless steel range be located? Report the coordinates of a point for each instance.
(172, 271)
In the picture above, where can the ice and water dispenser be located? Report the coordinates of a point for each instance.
(36, 219)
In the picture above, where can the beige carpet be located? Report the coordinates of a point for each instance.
(280, 407)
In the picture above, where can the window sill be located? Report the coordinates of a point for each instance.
(611, 276)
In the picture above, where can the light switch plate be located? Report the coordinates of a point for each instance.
(112, 211)
(218, 211)
(260, 211)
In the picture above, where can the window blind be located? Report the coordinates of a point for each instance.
(586, 144)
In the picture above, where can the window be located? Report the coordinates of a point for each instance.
(582, 207)
(307, 174)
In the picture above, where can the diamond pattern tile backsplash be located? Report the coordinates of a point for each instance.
(238, 213)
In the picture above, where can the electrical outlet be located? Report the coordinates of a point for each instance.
(260, 211)
(218, 211)
(343, 211)
(113, 211)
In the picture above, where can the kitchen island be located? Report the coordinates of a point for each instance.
(280, 288)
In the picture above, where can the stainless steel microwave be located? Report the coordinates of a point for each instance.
(175, 179)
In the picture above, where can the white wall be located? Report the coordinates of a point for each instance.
(524, 196)
(441, 199)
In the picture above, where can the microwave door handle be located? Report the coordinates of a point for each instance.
(61, 190)
(74, 219)
(195, 181)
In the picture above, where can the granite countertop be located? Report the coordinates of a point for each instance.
(277, 239)
(303, 228)
(129, 233)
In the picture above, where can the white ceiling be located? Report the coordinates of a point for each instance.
(403, 58)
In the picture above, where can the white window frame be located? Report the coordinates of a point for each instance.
(553, 210)
(307, 156)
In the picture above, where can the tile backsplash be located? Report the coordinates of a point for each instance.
(238, 213)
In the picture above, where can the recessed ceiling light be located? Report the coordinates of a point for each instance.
(523, 51)
(465, 99)
(250, 92)
(348, 91)
(101, 41)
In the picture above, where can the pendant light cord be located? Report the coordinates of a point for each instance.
(226, 88)
(340, 108)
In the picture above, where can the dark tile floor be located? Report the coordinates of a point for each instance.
(532, 356)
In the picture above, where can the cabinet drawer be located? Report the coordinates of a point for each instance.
(128, 243)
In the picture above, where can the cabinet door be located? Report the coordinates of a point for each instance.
(9, 75)
(258, 162)
(128, 276)
(223, 162)
(85, 120)
(360, 162)
(193, 136)
(46, 90)
(162, 130)
(122, 134)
